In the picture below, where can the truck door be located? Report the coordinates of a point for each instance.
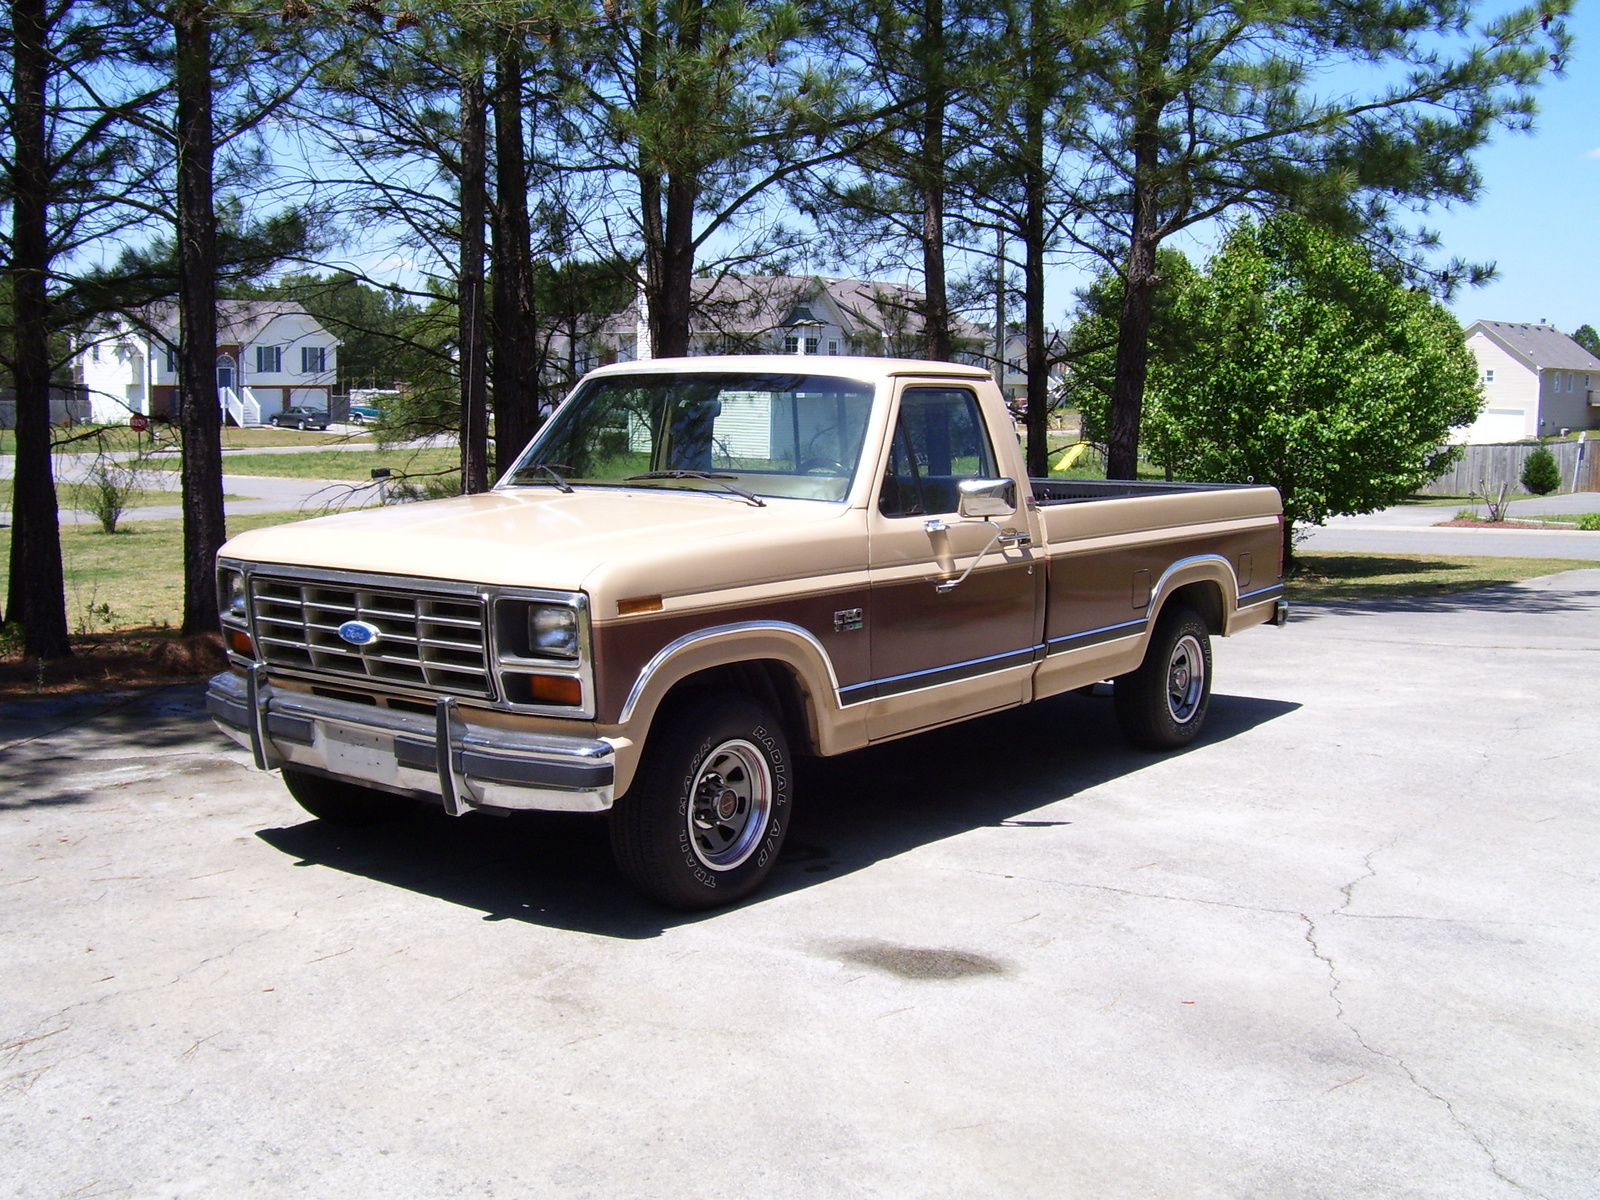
(939, 655)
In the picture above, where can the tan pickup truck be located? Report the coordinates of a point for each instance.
(703, 567)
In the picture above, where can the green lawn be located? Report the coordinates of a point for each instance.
(343, 464)
(130, 578)
(1357, 576)
(79, 439)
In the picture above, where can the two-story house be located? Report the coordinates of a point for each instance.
(1537, 382)
(271, 354)
(795, 314)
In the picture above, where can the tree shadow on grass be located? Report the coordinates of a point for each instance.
(851, 812)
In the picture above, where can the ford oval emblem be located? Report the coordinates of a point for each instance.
(360, 633)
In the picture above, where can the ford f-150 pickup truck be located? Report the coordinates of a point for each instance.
(700, 568)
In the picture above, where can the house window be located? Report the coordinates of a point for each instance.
(172, 360)
(812, 344)
(269, 360)
(833, 345)
(1488, 376)
(791, 344)
(313, 360)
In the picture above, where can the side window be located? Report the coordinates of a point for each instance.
(939, 440)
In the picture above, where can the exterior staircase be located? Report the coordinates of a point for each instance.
(241, 407)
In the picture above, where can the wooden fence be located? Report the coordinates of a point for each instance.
(1484, 468)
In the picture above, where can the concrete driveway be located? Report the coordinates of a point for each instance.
(1346, 947)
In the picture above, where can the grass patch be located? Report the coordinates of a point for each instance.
(120, 437)
(343, 464)
(129, 579)
(82, 495)
(1388, 576)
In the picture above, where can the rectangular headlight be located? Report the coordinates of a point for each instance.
(230, 595)
(552, 631)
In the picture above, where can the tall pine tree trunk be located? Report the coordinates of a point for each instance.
(204, 523)
(670, 307)
(516, 350)
(474, 317)
(1036, 418)
(37, 590)
(1133, 322)
(936, 306)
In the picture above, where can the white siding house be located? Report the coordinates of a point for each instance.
(1537, 382)
(270, 354)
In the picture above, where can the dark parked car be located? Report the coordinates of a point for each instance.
(300, 417)
(360, 414)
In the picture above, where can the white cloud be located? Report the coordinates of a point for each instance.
(1595, 153)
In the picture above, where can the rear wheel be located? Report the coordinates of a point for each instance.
(1162, 704)
(342, 803)
(705, 818)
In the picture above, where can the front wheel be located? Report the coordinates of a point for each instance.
(1162, 704)
(342, 803)
(704, 821)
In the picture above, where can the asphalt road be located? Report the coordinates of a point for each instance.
(1346, 947)
(1413, 529)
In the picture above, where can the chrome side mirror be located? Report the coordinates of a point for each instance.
(985, 498)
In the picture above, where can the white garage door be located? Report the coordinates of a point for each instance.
(1499, 425)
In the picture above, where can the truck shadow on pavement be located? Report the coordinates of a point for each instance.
(852, 811)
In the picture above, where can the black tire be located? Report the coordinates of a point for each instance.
(300, 425)
(677, 834)
(1161, 706)
(341, 803)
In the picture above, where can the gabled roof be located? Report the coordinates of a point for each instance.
(239, 322)
(1542, 347)
(755, 304)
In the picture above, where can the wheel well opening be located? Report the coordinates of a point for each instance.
(771, 682)
(1205, 597)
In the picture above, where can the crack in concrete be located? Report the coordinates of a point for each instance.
(1343, 1018)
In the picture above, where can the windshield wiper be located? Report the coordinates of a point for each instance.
(554, 478)
(706, 475)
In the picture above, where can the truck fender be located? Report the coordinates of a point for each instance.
(829, 729)
(1200, 568)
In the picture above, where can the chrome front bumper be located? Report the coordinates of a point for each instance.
(399, 752)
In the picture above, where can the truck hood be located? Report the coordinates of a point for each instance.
(532, 538)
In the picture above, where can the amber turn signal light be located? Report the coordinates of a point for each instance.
(563, 690)
(239, 642)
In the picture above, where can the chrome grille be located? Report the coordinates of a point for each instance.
(428, 641)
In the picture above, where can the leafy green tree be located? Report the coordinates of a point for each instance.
(1195, 109)
(1540, 475)
(1586, 337)
(1314, 371)
(1091, 350)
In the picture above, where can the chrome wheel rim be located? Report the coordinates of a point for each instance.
(1186, 678)
(729, 804)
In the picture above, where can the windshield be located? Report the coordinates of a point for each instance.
(797, 436)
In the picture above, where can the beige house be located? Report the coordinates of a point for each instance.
(1537, 382)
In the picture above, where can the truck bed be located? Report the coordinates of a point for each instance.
(1075, 491)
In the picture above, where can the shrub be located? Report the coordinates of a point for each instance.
(1590, 522)
(1540, 474)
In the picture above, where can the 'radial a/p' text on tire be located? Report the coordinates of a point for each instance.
(704, 821)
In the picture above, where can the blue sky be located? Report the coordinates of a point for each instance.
(1538, 219)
